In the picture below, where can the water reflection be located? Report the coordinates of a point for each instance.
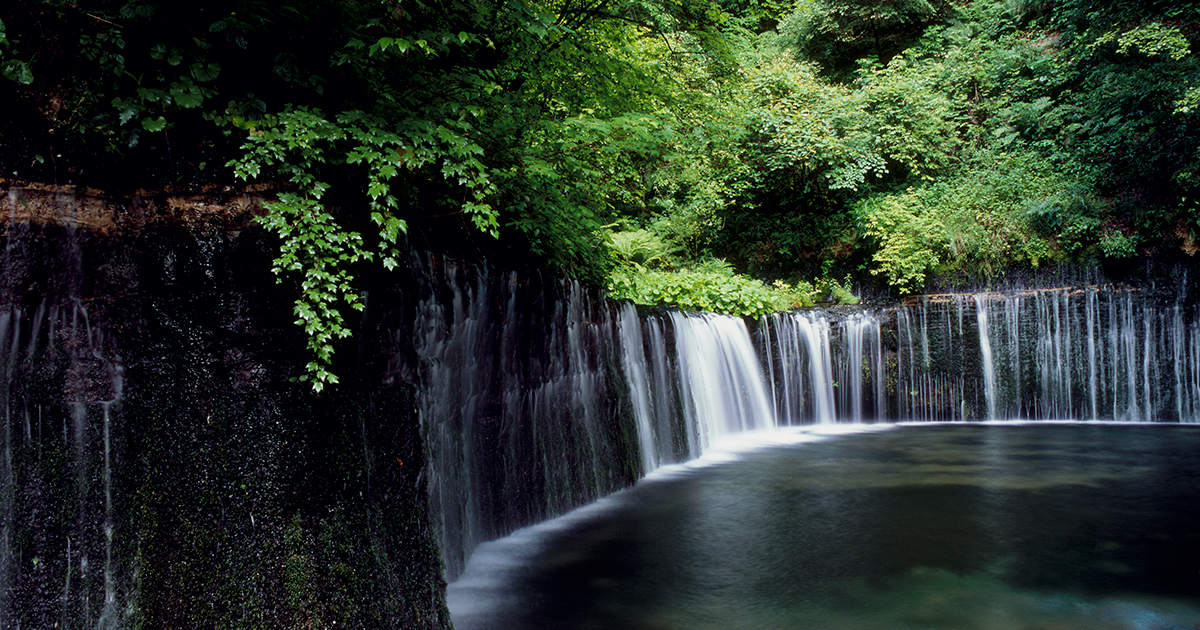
(975, 526)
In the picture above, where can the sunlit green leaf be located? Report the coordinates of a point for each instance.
(154, 124)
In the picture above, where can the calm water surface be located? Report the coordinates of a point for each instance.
(1043, 527)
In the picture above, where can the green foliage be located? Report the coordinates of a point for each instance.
(11, 68)
(1190, 103)
(643, 136)
(1000, 208)
(839, 292)
(570, 175)
(716, 291)
(910, 238)
(1133, 70)
(299, 143)
(314, 245)
(991, 145)
(811, 133)
(1117, 244)
(641, 248)
(114, 72)
(836, 33)
(904, 137)
(494, 107)
(799, 295)
(712, 285)
(1070, 217)
(792, 235)
(960, 137)
(703, 178)
(815, 135)
(1152, 39)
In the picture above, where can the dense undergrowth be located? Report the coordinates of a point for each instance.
(949, 138)
(737, 156)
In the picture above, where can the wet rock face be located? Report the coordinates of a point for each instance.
(522, 398)
(159, 467)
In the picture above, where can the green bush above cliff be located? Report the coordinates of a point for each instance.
(795, 141)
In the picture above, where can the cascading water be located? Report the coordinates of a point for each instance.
(59, 384)
(1105, 353)
(859, 367)
(507, 399)
(720, 378)
(519, 406)
(823, 371)
(1089, 353)
(672, 438)
(800, 366)
(633, 358)
(986, 364)
(531, 412)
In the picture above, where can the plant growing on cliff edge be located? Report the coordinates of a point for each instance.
(712, 286)
(312, 242)
(298, 143)
(485, 110)
(709, 291)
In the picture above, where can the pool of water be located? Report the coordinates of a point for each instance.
(1030, 526)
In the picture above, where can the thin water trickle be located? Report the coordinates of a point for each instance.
(9, 334)
(664, 394)
(985, 352)
(633, 358)
(61, 345)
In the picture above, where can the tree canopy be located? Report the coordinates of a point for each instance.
(744, 155)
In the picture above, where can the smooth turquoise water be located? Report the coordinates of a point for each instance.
(1031, 526)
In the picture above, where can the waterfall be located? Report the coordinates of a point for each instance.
(519, 406)
(58, 388)
(1106, 353)
(688, 379)
(985, 357)
(805, 366)
(530, 412)
(720, 377)
(859, 367)
(480, 402)
(633, 358)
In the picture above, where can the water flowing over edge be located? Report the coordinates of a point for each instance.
(45, 343)
(489, 568)
(687, 380)
(536, 396)
(530, 413)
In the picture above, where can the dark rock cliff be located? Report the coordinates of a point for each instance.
(159, 465)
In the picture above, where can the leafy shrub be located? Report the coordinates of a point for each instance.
(1117, 244)
(712, 287)
(910, 238)
(1071, 217)
(838, 292)
(642, 248)
(999, 208)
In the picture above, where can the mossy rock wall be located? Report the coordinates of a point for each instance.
(159, 468)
